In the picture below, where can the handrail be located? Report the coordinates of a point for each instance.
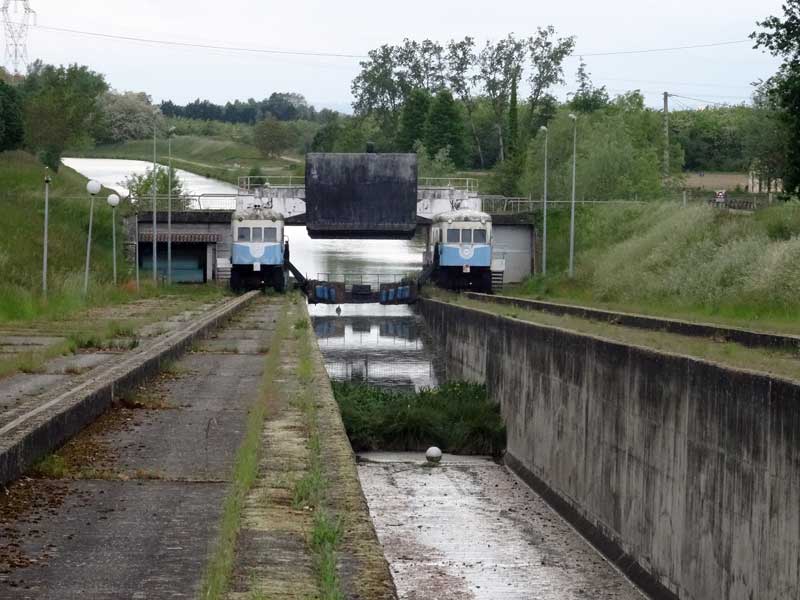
(468, 184)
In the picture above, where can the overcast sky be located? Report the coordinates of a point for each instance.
(721, 74)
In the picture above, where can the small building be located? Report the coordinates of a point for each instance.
(201, 243)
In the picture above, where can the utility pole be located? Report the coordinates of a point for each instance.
(666, 135)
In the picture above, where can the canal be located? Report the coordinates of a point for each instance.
(469, 529)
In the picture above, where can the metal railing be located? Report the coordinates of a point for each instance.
(468, 184)
(374, 279)
(250, 182)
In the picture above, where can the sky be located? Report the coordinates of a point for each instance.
(722, 74)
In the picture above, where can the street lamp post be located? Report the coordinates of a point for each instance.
(543, 129)
(572, 206)
(47, 181)
(155, 191)
(93, 187)
(170, 131)
(113, 202)
(135, 203)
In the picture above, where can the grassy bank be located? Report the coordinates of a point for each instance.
(21, 233)
(457, 417)
(695, 262)
(221, 159)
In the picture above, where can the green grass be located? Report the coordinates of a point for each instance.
(52, 466)
(458, 417)
(21, 229)
(245, 471)
(696, 262)
(211, 157)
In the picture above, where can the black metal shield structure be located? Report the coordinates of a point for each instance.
(371, 196)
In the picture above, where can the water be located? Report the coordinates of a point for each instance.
(383, 345)
(113, 172)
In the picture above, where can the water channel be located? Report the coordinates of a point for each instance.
(468, 530)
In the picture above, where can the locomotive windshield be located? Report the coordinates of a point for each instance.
(243, 234)
(479, 236)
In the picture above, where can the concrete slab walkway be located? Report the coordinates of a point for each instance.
(133, 503)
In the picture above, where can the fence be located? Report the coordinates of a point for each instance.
(251, 182)
(468, 184)
(373, 279)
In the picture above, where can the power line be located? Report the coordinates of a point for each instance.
(697, 99)
(670, 49)
(693, 83)
(163, 42)
(129, 38)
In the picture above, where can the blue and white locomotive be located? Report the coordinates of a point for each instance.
(259, 253)
(460, 250)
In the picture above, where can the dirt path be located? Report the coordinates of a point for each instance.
(133, 503)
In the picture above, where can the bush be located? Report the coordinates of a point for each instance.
(458, 417)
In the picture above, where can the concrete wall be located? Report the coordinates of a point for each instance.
(685, 473)
(514, 243)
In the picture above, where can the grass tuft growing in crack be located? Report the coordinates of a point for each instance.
(310, 490)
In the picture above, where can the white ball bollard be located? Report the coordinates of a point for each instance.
(434, 455)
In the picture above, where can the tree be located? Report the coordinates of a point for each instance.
(420, 65)
(499, 64)
(437, 165)
(272, 137)
(765, 139)
(513, 119)
(546, 54)
(377, 89)
(782, 38)
(413, 120)
(12, 131)
(141, 185)
(127, 116)
(62, 108)
(445, 128)
(588, 98)
(461, 63)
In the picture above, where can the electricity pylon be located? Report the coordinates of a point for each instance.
(17, 18)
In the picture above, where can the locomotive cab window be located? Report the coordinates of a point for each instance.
(256, 234)
(452, 236)
(243, 234)
(466, 236)
(479, 236)
(270, 234)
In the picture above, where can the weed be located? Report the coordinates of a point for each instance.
(325, 537)
(51, 466)
(301, 325)
(458, 417)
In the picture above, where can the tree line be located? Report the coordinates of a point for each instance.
(282, 106)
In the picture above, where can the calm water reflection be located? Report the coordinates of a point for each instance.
(384, 345)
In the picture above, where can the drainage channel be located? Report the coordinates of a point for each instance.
(467, 529)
